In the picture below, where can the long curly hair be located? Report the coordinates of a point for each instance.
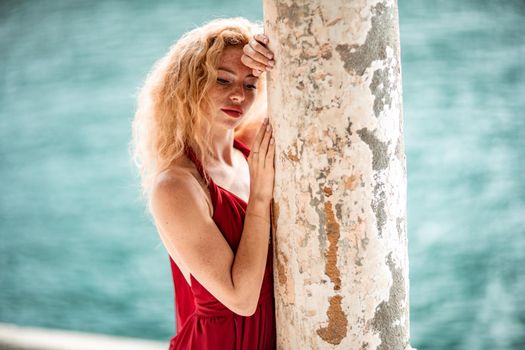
(173, 104)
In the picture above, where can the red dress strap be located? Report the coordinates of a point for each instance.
(241, 147)
(193, 157)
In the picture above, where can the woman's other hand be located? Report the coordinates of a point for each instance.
(261, 163)
(257, 56)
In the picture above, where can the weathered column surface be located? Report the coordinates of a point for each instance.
(340, 260)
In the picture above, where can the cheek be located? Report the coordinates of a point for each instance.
(215, 95)
(250, 97)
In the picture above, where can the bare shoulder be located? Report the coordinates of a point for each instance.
(175, 180)
(180, 209)
(178, 186)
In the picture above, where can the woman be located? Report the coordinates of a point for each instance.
(209, 195)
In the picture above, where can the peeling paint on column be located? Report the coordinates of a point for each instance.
(279, 261)
(293, 13)
(388, 312)
(381, 88)
(379, 149)
(350, 182)
(336, 108)
(315, 203)
(282, 261)
(357, 58)
(378, 205)
(292, 156)
(400, 229)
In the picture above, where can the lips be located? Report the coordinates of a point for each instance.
(235, 112)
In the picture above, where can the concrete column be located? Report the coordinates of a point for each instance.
(334, 97)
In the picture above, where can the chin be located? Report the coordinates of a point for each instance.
(247, 131)
(229, 122)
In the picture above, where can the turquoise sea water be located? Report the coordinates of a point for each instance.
(78, 252)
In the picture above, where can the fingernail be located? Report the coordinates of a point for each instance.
(270, 56)
(271, 140)
(271, 63)
(268, 68)
(268, 128)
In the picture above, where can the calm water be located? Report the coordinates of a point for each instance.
(78, 252)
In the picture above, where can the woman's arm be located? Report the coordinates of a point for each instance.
(188, 231)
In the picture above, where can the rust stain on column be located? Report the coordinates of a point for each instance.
(336, 330)
(275, 216)
(292, 157)
(332, 234)
(281, 273)
(337, 327)
(280, 269)
(350, 182)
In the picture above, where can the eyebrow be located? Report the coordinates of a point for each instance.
(232, 72)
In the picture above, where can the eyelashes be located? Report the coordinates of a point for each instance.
(225, 82)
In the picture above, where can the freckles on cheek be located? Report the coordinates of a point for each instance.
(215, 94)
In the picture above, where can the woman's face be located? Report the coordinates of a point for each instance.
(234, 91)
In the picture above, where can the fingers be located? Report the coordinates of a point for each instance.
(257, 142)
(260, 47)
(263, 150)
(261, 38)
(270, 154)
(256, 59)
(257, 56)
(248, 61)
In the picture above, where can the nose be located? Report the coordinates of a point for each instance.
(237, 95)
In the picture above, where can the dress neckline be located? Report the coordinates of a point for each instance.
(236, 144)
(231, 193)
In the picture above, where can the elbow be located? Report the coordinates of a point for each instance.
(250, 310)
(247, 311)
(247, 308)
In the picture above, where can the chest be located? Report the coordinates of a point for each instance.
(235, 179)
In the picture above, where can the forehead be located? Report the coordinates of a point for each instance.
(231, 52)
(231, 58)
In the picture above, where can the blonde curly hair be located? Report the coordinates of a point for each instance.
(173, 104)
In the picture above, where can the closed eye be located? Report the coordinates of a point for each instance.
(251, 86)
(222, 81)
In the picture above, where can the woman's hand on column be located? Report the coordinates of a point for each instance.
(261, 164)
(257, 56)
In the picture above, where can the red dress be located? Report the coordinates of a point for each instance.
(203, 322)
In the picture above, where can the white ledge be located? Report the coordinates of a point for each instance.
(28, 338)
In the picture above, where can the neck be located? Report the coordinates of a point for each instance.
(221, 146)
